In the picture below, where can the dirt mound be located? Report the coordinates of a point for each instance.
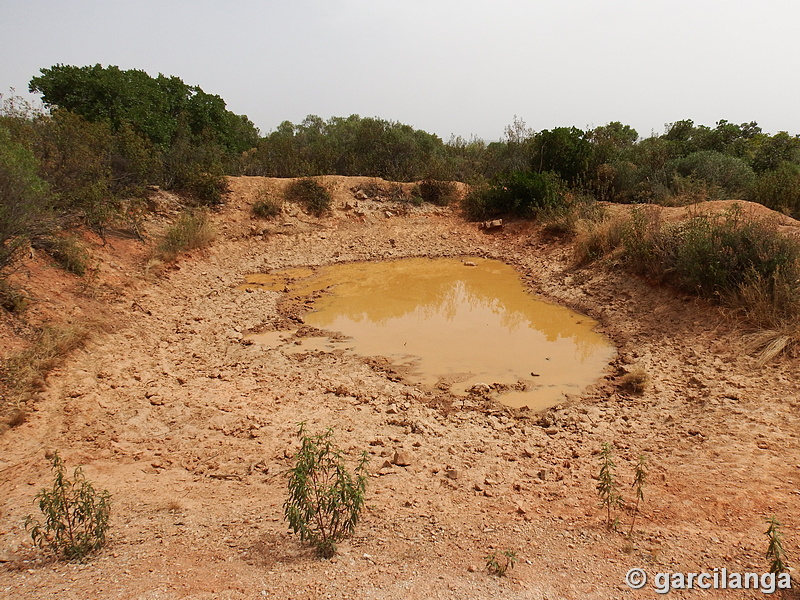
(190, 427)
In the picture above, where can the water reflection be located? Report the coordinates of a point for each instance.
(464, 324)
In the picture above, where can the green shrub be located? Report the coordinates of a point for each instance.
(743, 262)
(22, 195)
(717, 254)
(518, 194)
(192, 230)
(726, 175)
(778, 189)
(310, 194)
(75, 515)
(325, 499)
(440, 193)
(266, 206)
(207, 189)
(710, 254)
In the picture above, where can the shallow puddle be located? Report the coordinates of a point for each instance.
(453, 324)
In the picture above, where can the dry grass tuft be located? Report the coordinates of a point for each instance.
(192, 230)
(635, 381)
(596, 239)
(24, 373)
(767, 344)
(28, 368)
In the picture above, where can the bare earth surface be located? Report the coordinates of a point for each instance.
(191, 429)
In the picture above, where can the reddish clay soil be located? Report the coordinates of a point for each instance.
(191, 428)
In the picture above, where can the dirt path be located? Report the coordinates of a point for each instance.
(190, 427)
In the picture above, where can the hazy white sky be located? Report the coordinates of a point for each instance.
(446, 66)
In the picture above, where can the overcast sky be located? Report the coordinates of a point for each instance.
(446, 66)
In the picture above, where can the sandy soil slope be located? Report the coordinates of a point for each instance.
(191, 428)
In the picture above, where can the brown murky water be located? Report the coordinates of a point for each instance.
(453, 324)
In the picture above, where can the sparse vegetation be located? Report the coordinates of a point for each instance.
(607, 487)
(775, 553)
(313, 196)
(192, 230)
(499, 563)
(742, 261)
(325, 499)
(12, 299)
(597, 238)
(68, 252)
(75, 515)
(27, 369)
(639, 481)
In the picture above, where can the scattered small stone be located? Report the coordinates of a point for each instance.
(401, 459)
(453, 473)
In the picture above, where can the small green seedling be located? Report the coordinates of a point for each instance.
(502, 563)
(639, 481)
(775, 553)
(607, 487)
(75, 515)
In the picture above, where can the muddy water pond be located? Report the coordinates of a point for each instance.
(456, 324)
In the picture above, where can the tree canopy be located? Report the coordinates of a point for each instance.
(156, 107)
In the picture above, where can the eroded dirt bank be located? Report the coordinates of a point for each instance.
(190, 427)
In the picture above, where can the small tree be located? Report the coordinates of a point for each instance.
(76, 516)
(325, 499)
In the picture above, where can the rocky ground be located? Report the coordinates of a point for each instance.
(191, 428)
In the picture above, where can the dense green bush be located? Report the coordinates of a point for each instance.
(727, 176)
(517, 194)
(440, 193)
(778, 189)
(565, 151)
(153, 107)
(313, 196)
(207, 189)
